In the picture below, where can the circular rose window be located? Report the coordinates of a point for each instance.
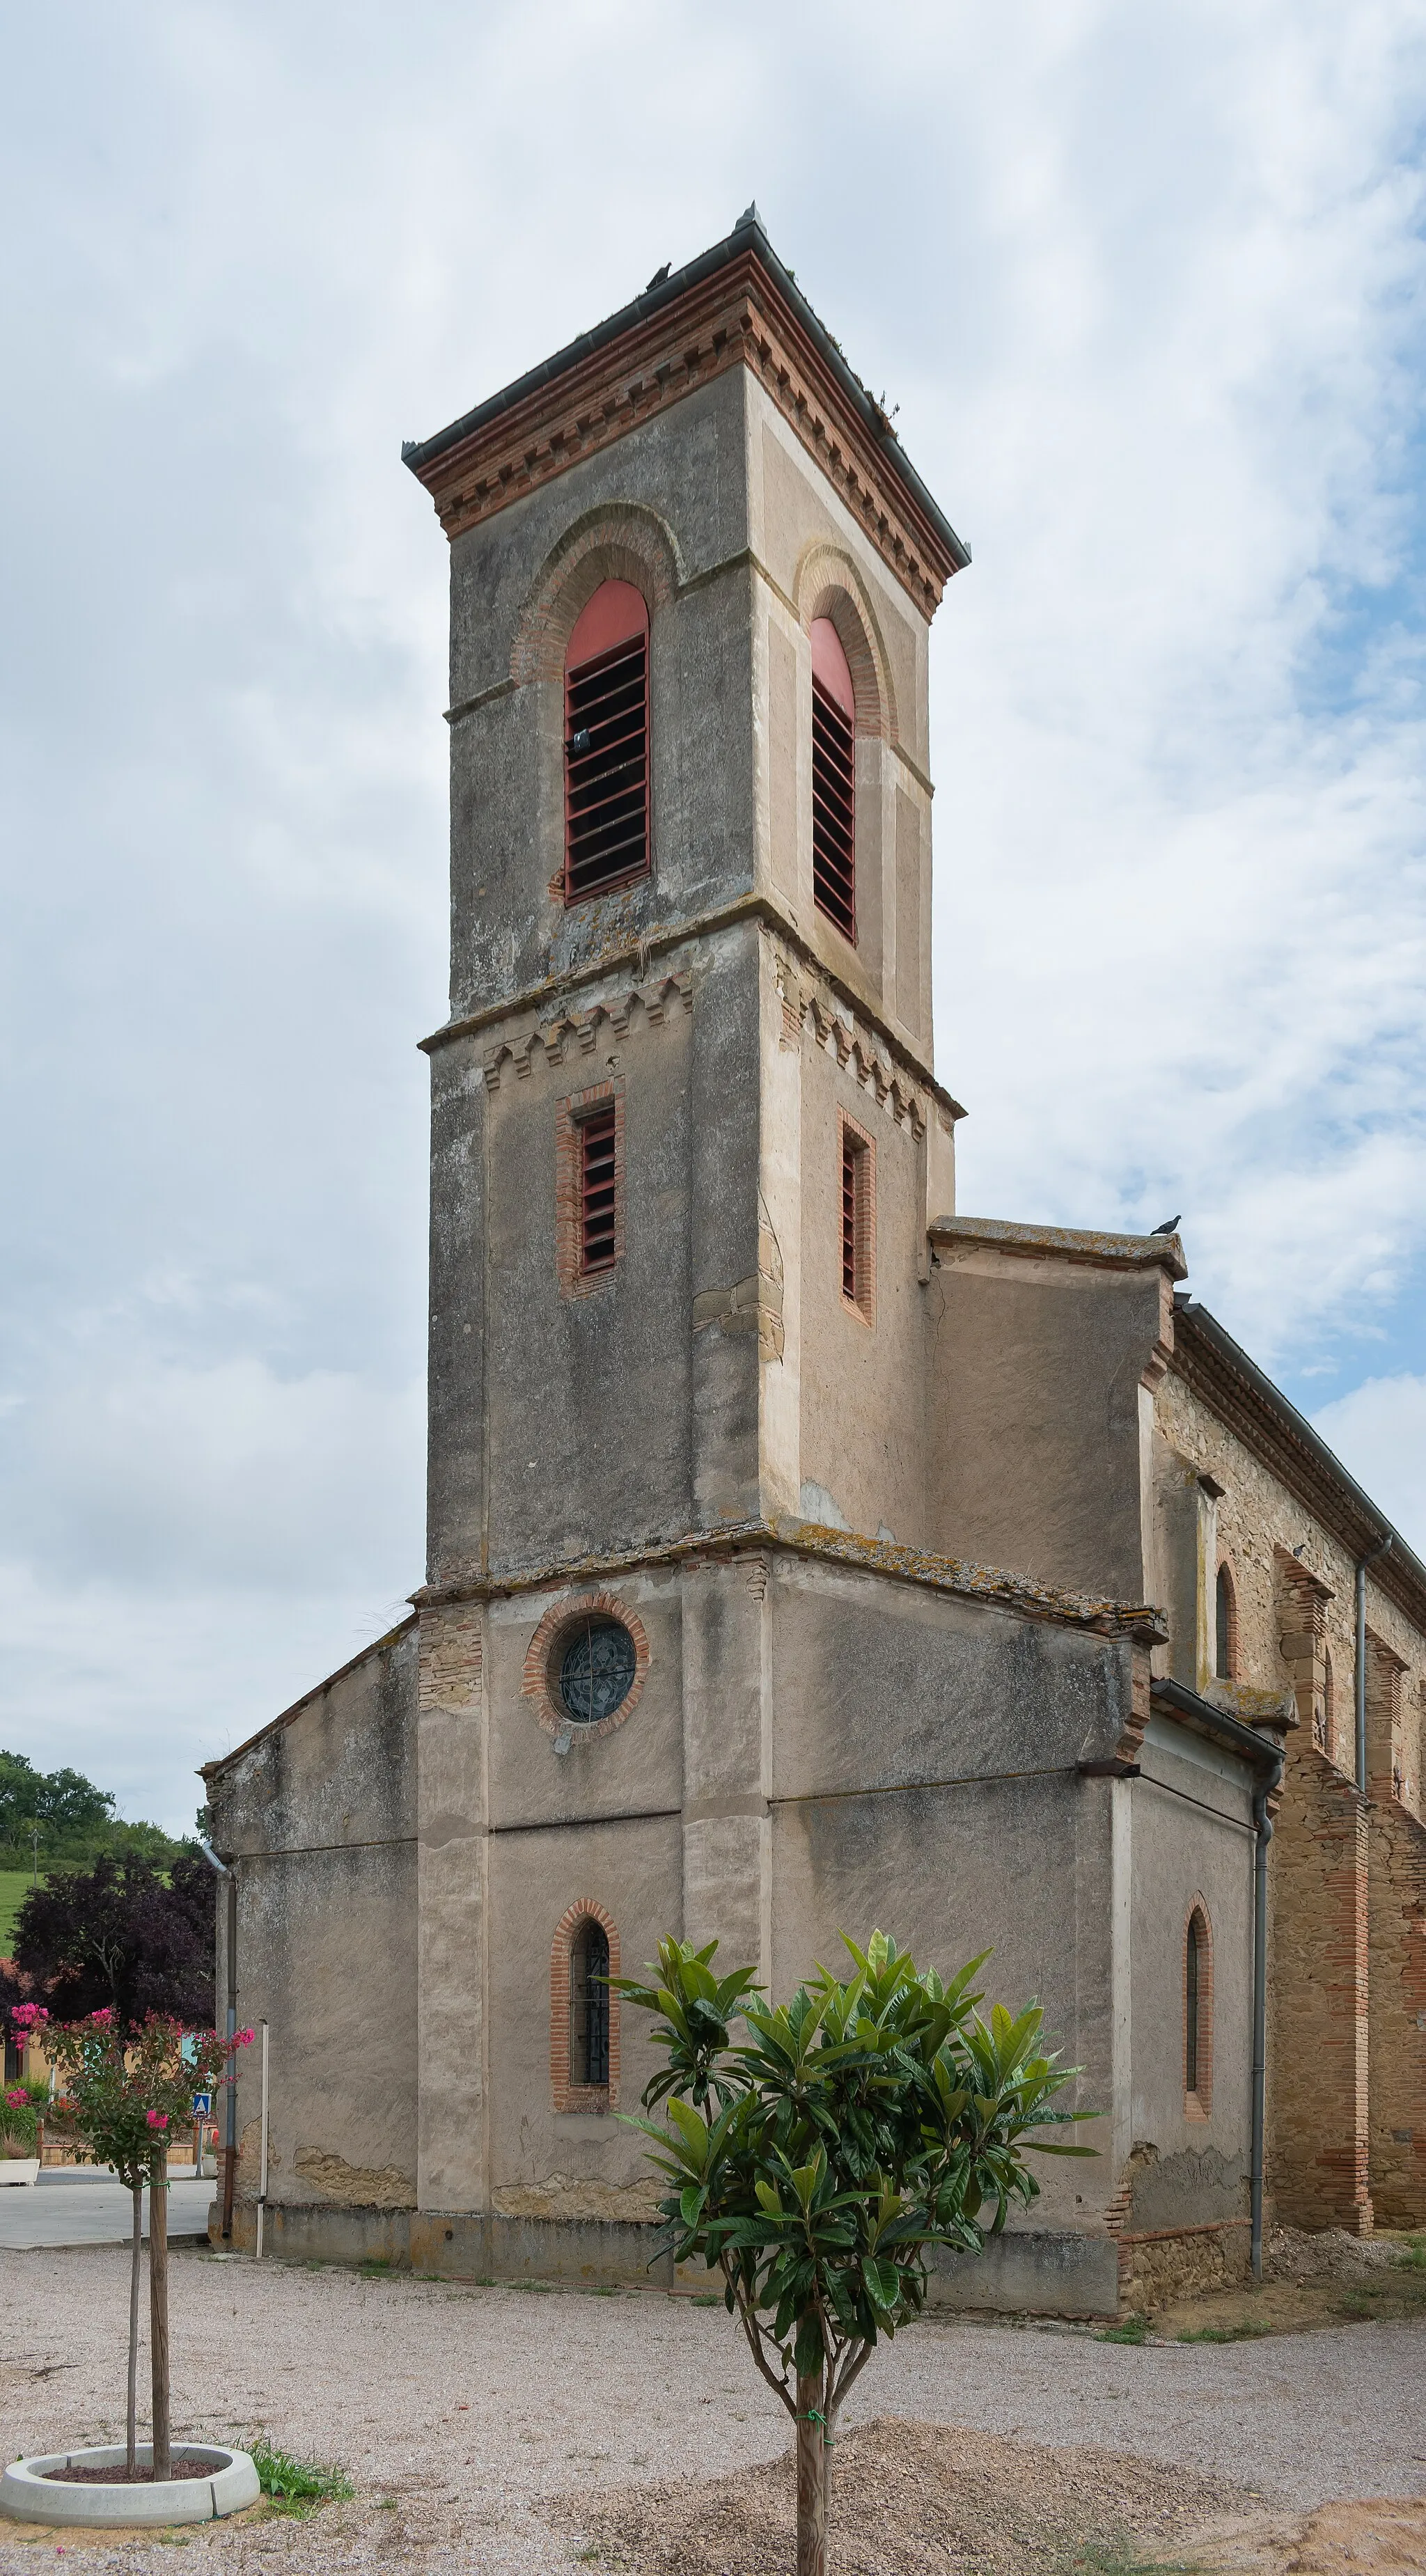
(596, 1672)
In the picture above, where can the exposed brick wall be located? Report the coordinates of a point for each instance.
(1318, 2068)
(450, 1656)
(1302, 1642)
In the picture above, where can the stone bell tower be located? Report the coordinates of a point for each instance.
(686, 1136)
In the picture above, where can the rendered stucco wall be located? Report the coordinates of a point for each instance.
(1192, 1842)
(1038, 1460)
(318, 1819)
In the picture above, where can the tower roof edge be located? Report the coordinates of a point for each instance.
(432, 459)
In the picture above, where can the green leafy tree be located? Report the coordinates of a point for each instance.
(126, 2092)
(818, 2161)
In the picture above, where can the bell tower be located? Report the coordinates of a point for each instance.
(686, 1137)
(689, 1044)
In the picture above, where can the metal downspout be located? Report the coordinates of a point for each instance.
(1262, 1821)
(1361, 1694)
(230, 2158)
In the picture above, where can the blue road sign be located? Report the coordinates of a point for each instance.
(202, 2106)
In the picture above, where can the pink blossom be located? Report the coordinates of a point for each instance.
(245, 2039)
(27, 2017)
(157, 2119)
(103, 2017)
(17, 2100)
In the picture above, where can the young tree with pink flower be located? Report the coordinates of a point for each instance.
(125, 2091)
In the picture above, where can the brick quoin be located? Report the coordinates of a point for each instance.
(1319, 2028)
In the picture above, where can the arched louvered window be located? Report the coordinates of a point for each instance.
(1225, 1624)
(834, 780)
(606, 738)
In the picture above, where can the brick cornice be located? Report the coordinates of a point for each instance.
(736, 317)
(669, 940)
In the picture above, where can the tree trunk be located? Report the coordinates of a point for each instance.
(158, 2311)
(132, 2428)
(811, 2478)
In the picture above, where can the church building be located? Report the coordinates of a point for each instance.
(803, 1555)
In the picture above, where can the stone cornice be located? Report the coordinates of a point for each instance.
(736, 316)
(1224, 1378)
(987, 1585)
(1062, 1243)
(553, 992)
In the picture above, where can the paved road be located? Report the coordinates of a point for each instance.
(84, 2205)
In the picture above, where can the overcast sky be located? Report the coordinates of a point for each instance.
(1147, 285)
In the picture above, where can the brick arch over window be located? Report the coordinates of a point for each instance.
(1225, 1624)
(1197, 1991)
(622, 544)
(567, 2093)
(542, 1655)
(829, 585)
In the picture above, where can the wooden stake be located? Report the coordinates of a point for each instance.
(132, 2428)
(158, 2311)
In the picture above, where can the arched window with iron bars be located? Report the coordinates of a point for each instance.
(834, 781)
(606, 743)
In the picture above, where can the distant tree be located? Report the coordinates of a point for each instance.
(20, 1787)
(121, 1937)
(75, 1821)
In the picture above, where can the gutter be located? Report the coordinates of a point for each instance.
(746, 236)
(1267, 1760)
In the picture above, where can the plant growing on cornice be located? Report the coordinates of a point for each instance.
(125, 2094)
(818, 2161)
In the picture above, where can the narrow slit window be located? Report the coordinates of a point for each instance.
(858, 1221)
(598, 1191)
(607, 743)
(834, 781)
(589, 2005)
(1225, 1639)
(1198, 2013)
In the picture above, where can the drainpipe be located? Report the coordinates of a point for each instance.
(230, 2159)
(1267, 1782)
(1362, 1563)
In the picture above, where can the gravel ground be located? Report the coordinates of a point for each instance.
(456, 2410)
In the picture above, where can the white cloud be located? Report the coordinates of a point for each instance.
(1379, 1433)
(1148, 285)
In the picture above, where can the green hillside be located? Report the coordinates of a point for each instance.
(13, 1884)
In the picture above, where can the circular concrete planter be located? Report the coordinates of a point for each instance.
(30, 2493)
